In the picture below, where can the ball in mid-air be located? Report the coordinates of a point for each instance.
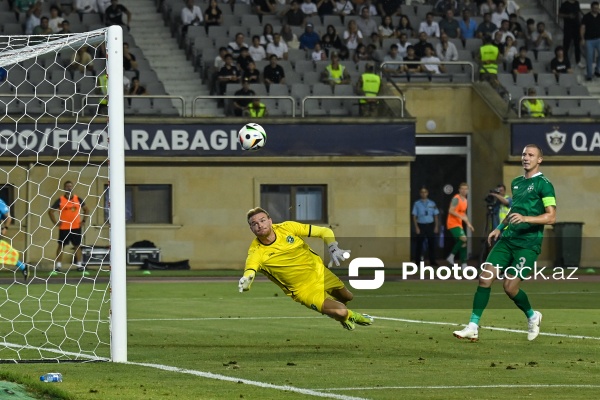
(252, 136)
(430, 125)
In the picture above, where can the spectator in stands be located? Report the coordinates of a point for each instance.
(429, 26)
(413, 62)
(318, 54)
(309, 38)
(360, 54)
(404, 26)
(34, 18)
(129, 60)
(421, 44)
(467, 26)
(500, 14)
(42, 28)
(309, 8)
(352, 36)
(24, 6)
(240, 104)
(590, 37)
(213, 16)
(504, 30)
(82, 61)
(393, 56)
(434, 65)
(85, 7)
(264, 7)
(55, 20)
(389, 7)
(488, 59)
(273, 73)
(487, 27)
(374, 52)
(236, 46)
(560, 64)
(445, 49)
(114, 14)
(135, 89)
(256, 109)
(289, 37)
(267, 36)
(367, 4)
(335, 73)
(542, 39)
(216, 68)
(368, 85)
(256, 51)
(366, 25)
(386, 29)
(243, 60)
(65, 27)
(529, 31)
(522, 64)
(344, 53)
(471, 6)
(441, 6)
(228, 74)
(487, 6)
(513, 8)
(344, 7)
(294, 15)
(510, 50)
(331, 40)
(536, 108)
(277, 48)
(403, 44)
(449, 25)
(326, 7)
(252, 74)
(570, 13)
(515, 27)
(190, 15)
(498, 42)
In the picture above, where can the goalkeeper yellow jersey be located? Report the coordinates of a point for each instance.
(289, 262)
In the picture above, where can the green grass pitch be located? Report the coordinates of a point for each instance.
(207, 341)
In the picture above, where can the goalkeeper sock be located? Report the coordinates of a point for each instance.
(480, 301)
(522, 301)
(20, 265)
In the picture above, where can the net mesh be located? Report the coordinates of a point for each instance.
(53, 97)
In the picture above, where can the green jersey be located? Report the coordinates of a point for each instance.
(530, 197)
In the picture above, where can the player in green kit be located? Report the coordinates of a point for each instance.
(280, 253)
(534, 205)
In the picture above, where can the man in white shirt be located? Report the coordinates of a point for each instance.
(541, 38)
(446, 50)
(309, 8)
(393, 55)
(191, 14)
(432, 64)
(256, 51)
(429, 26)
(403, 44)
(500, 14)
(344, 7)
(366, 24)
(504, 30)
(86, 6)
(278, 47)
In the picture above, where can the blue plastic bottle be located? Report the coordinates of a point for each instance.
(51, 377)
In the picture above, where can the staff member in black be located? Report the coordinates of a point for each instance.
(425, 219)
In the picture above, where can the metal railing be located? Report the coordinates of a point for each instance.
(467, 63)
(397, 98)
(225, 97)
(521, 99)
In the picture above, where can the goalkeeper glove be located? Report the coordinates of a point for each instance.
(337, 255)
(245, 283)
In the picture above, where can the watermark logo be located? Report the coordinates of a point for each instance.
(366, 262)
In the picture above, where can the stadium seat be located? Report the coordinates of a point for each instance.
(546, 80)
(579, 90)
(525, 80)
(567, 80)
(278, 89)
(311, 77)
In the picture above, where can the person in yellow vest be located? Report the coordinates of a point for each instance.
(102, 89)
(502, 205)
(488, 60)
(536, 108)
(368, 85)
(72, 212)
(335, 73)
(256, 109)
(457, 215)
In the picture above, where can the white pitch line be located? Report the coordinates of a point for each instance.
(209, 375)
(504, 386)
(493, 328)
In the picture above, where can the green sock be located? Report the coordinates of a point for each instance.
(462, 253)
(457, 247)
(522, 301)
(480, 301)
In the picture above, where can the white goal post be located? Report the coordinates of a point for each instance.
(62, 120)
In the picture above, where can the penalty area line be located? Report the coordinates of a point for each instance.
(503, 386)
(210, 375)
(492, 328)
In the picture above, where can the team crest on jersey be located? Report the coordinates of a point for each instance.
(556, 140)
(290, 239)
(530, 188)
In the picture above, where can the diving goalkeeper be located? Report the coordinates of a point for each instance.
(280, 253)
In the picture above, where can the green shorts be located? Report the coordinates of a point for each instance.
(512, 260)
(457, 232)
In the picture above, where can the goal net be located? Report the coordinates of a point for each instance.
(58, 111)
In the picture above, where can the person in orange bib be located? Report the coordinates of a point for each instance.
(457, 214)
(70, 221)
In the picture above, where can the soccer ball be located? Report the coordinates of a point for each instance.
(252, 136)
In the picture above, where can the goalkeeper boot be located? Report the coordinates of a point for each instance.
(469, 332)
(362, 319)
(25, 272)
(348, 324)
(534, 325)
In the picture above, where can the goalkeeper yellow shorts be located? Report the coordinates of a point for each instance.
(314, 294)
